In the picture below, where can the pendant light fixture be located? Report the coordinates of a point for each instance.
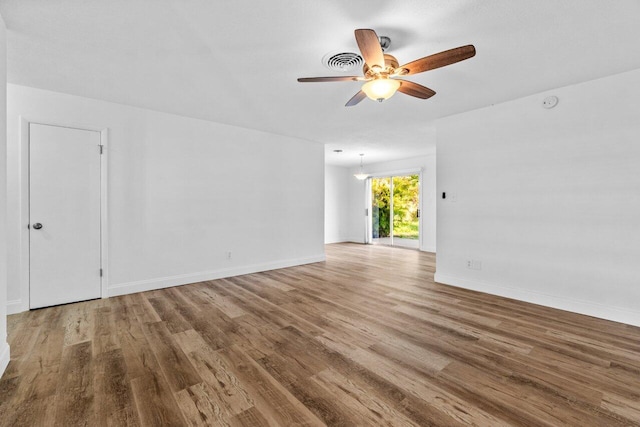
(361, 175)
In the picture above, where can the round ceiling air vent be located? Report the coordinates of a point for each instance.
(342, 61)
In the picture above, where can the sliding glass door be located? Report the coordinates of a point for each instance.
(381, 210)
(395, 214)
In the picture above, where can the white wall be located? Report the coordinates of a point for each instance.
(4, 347)
(182, 192)
(336, 200)
(547, 200)
(356, 208)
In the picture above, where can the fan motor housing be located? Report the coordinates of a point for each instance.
(390, 62)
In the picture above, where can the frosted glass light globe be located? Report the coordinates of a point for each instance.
(380, 88)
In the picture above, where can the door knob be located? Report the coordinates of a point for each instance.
(37, 226)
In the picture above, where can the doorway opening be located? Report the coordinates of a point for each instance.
(395, 211)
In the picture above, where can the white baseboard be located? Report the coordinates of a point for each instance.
(15, 306)
(184, 279)
(4, 357)
(589, 308)
(353, 239)
(336, 240)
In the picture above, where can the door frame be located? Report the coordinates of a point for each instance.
(369, 201)
(24, 207)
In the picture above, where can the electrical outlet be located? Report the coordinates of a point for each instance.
(228, 254)
(474, 264)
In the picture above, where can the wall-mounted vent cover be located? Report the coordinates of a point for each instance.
(343, 61)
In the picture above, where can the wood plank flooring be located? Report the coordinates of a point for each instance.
(366, 338)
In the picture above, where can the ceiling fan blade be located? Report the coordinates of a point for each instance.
(414, 89)
(438, 60)
(369, 45)
(356, 99)
(329, 79)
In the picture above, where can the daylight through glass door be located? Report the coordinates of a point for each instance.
(395, 213)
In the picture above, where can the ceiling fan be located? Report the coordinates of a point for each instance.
(381, 70)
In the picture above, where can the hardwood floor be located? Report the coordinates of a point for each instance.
(366, 338)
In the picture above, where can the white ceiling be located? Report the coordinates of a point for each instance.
(236, 62)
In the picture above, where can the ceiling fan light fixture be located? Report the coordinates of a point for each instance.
(380, 88)
(380, 68)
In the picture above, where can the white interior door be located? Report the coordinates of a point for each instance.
(64, 215)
